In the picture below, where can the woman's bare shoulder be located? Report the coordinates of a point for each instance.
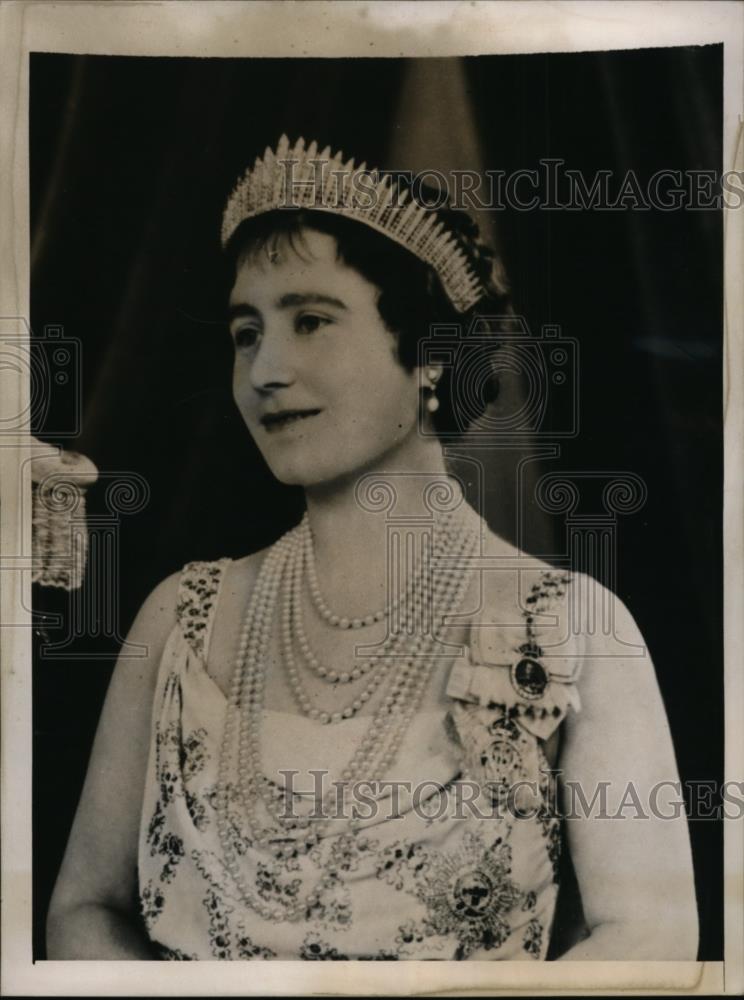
(510, 573)
(241, 574)
(497, 546)
(136, 670)
(159, 611)
(249, 564)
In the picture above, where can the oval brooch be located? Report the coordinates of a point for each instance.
(529, 678)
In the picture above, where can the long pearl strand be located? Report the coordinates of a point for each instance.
(341, 621)
(390, 650)
(412, 599)
(375, 754)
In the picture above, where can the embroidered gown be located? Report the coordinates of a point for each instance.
(420, 878)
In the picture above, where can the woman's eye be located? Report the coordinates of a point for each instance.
(310, 322)
(245, 336)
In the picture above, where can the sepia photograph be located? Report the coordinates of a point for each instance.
(374, 449)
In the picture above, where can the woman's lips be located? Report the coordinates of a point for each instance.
(273, 422)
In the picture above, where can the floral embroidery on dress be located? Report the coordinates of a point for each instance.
(196, 809)
(334, 912)
(348, 849)
(551, 830)
(547, 817)
(172, 954)
(219, 926)
(200, 582)
(414, 933)
(171, 847)
(152, 901)
(165, 767)
(532, 939)
(246, 948)
(400, 862)
(160, 840)
(155, 827)
(314, 949)
(241, 844)
(192, 753)
(226, 935)
(270, 885)
(434, 886)
(175, 761)
(530, 900)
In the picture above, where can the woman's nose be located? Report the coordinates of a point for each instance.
(273, 363)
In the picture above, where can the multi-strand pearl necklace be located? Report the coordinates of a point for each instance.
(413, 654)
(338, 621)
(414, 612)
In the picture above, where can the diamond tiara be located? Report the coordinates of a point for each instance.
(300, 177)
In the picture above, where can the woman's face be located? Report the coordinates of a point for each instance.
(316, 375)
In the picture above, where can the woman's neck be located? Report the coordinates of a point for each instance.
(351, 520)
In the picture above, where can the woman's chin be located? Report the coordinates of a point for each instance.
(301, 474)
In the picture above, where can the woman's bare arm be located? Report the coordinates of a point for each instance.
(93, 912)
(635, 875)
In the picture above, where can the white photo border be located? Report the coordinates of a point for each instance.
(423, 28)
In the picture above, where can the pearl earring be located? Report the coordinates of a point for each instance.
(432, 403)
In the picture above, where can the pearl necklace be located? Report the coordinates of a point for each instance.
(448, 541)
(341, 621)
(241, 751)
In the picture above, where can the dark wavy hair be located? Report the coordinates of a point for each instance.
(411, 300)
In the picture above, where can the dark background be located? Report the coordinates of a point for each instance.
(131, 159)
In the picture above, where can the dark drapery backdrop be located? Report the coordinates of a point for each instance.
(131, 159)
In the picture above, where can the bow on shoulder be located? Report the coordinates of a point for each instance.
(529, 670)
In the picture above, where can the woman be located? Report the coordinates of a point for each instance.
(340, 747)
